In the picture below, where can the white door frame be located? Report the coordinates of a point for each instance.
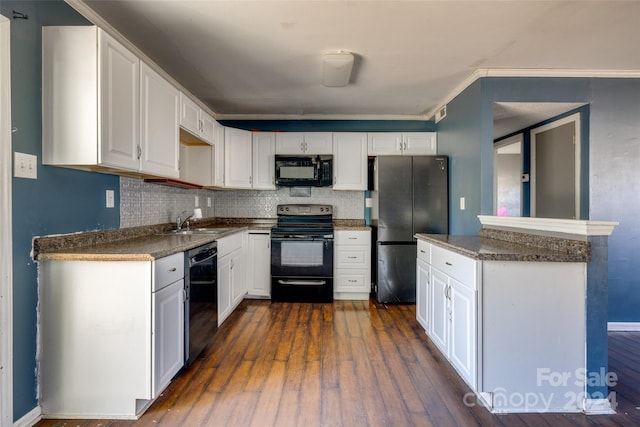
(6, 248)
(574, 118)
(519, 138)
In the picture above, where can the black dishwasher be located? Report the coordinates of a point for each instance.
(201, 305)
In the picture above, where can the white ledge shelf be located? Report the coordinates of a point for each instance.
(567, 226)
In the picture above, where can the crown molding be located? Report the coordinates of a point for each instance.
(530, 72)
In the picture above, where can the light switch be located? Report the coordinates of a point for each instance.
(110, 199)
(208, 202)
(197, 202)
(462, 206)
(25, 165)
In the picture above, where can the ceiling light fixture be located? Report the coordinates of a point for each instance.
(336, 68)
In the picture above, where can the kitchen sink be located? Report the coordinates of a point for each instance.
(215, 230)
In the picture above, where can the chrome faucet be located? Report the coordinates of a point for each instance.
(180, 223)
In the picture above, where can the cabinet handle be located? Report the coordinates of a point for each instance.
(139, 152)
(231, 265)
(171, 270)
(352, 257)
(422, 251)
(352, 281)
(353, 238)
(448, 263)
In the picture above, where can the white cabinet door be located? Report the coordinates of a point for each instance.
(218, 155)
(120, 104)
(304, 143)
(318, 142)
(384, 143)
(439, 310)
(422, 294)
(224, 288)
(207, 127)
(264, 150)
(159, 103)
(290, 143)
(259, 265)
(189, 115)
(238, 277)
(462, 346)
(349, 161)
(168, 334)
(419, 143)
(238, 158)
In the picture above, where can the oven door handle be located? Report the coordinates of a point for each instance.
(303, 282)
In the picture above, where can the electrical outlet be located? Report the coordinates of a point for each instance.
(208, 202)
(197, 201)
(25, 165)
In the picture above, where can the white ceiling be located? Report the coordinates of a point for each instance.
(246, 59)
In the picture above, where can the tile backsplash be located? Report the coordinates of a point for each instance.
(144, 203)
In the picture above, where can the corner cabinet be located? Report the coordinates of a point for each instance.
(352, 264)
(349, 161)
(91, 106)
(112, 335)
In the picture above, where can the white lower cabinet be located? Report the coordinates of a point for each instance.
(352, 264)
(232, 274)
(112, 335)
(499, 322)
(259, 264)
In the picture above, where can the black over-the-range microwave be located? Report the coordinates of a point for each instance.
(304, 171)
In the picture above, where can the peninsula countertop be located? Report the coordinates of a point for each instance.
(491, 249)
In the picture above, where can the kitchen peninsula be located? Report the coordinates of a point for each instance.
(520, 311)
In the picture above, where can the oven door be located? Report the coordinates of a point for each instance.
(301, 256)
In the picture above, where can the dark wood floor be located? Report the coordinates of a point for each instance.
(344, 364)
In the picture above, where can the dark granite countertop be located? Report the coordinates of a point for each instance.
(139, 248)
(491, 249)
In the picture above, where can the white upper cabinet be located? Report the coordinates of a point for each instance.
(103, 109)
(349, 161)
(82, 67)
(304, 143)
(264, 149)
(159, 101)
(238, 165)
(195, 120)
(402, 143)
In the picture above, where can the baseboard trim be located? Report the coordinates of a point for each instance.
(623, 326)
(30, 418)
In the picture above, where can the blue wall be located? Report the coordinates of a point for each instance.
(613, 155)
(59, 201)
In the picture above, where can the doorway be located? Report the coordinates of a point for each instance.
(507, 163)
(555, 169)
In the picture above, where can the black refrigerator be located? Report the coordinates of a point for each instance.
(412, 197)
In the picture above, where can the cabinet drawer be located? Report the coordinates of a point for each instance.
(356, 257)
(424, 251)
(352, 237)
(454, 265)
(228, 244)
(354, 281)
(167, 270)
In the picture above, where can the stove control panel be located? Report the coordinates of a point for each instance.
(304, 210)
